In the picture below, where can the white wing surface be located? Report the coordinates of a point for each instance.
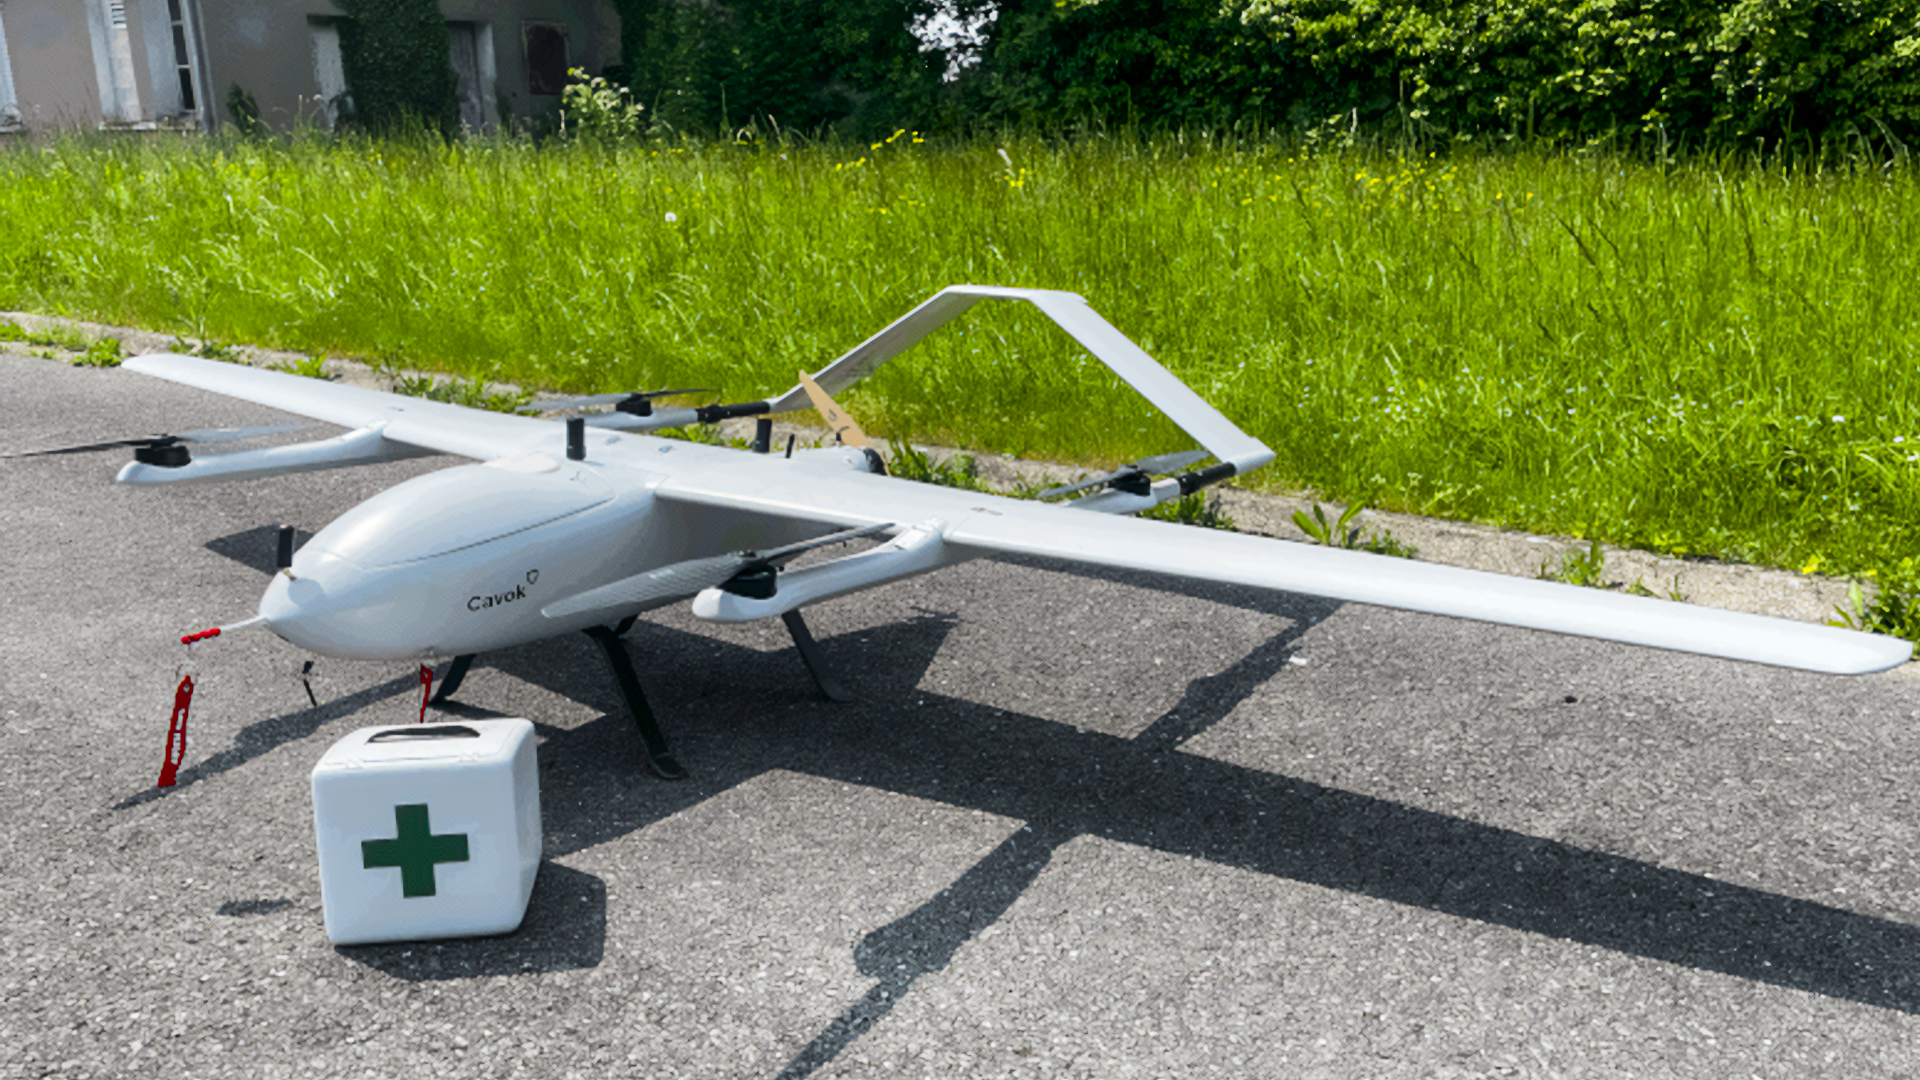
(988, 523)
(432, 425)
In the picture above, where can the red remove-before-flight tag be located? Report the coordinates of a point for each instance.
(426, 690)
(177, 732)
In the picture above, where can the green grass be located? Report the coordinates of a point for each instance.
(1708, 358)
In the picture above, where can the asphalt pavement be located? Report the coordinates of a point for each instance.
(1075, 824)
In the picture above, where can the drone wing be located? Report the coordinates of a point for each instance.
(385, 427)
(968, 524)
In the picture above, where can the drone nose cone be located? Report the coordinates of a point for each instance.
(292, 606)
(327, 605)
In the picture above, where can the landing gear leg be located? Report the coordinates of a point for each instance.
(658, 758)
(455, 672)
(810, 655)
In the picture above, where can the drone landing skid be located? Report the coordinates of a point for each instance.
(815, 660)
(658, 758)
(456, 671)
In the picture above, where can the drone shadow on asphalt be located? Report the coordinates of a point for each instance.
(735, 713)
(1064, 782)
(264, 736)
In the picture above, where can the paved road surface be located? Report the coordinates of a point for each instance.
(1099, 825)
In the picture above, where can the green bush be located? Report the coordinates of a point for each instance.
(244, 113)
(852, 66)
(397, 60)
(595, 110)
(1685, 74)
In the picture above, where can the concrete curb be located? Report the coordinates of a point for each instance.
(1709, 583)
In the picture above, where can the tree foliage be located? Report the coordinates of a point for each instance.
(1682, 74)
(1698, 71)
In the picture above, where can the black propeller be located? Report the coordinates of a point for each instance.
(1132, 478)
(749, 573)
(639, 404)
(168, 451)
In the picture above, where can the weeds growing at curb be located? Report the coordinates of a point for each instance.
(210, 349)
(1894, 609)
(1589, 568)
(1586, 568)
(909, 462)
(1337, 534)
(102, 353)
(1199, 509)
(1639, 588)
(312, 367)
(58, 337)
(704, 434)
(472, 393)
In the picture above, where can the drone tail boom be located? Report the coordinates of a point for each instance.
(1239, 452)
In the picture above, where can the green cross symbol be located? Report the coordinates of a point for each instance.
(414, 851)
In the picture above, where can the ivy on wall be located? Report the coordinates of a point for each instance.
(854, 66)
(398, 64)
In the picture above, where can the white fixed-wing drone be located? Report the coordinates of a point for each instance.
(582, 525)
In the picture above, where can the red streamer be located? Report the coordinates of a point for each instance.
(177, 732)
(426, 690)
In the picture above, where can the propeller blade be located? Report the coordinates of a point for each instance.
(842, 425)
(679, 579)
(663, 583)
(560, 404)
(1068, 489)
(1167, 463)
(158, 440)
(1153, 466)
(198, 435)
(234, 434)
(789, 551)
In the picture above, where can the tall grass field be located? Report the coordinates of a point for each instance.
(1714, 359)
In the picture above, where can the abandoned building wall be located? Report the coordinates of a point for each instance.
(160, 63)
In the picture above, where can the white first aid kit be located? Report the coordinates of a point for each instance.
(427, 830)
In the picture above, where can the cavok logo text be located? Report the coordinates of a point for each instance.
(518, 592)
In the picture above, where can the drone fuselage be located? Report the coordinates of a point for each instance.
(462, 560)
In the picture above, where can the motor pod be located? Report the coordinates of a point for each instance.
(758, 582)
(172, 456)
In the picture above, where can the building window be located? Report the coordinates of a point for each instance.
(329, 72)
(182, 55)
(471, 46)
(546, 57)
(9, 107)
(113, 63)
